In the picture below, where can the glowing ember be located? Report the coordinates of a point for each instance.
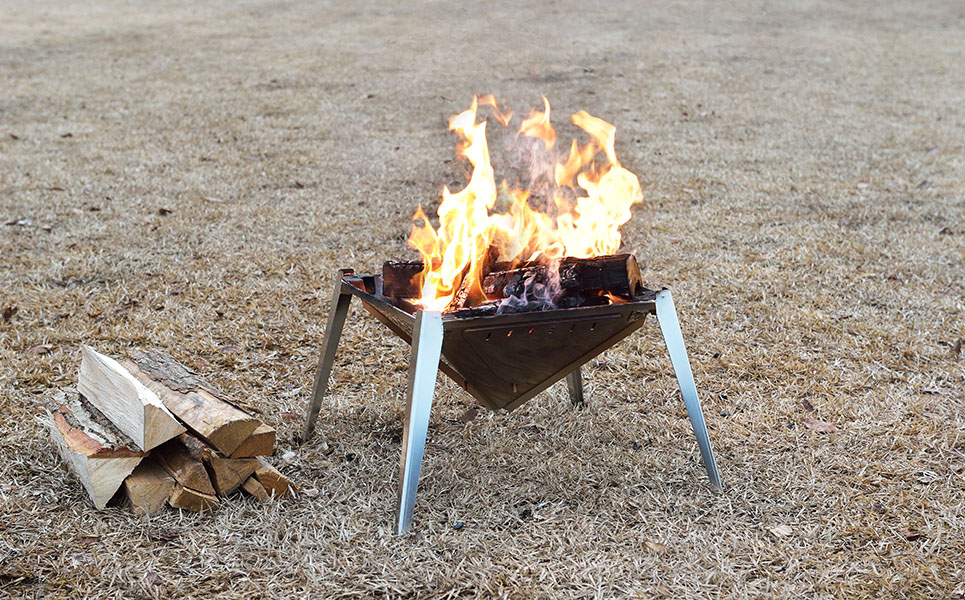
(589, 202)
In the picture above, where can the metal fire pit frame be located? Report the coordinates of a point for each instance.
(426, 331)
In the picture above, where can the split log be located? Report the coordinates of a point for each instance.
(186, 470)
(255, 490)
(400, 279)
(96, 452)
(273, 480)
(132, 407)
(260, 443)
(192, 500)
(225, 474)
(206, 411)
(148, 487)
(229, 473)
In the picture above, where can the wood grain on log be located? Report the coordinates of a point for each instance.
(192, 500)
(186, 470)
(229, 473)
(260, 443)
(206, 411)
(148, 488)
(273, 480)
(131, 406)
(100, 456)
(255, 490)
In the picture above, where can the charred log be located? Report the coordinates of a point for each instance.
(616, 274)
(470, 290)
(400, 279)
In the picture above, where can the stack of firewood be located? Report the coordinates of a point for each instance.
(151, 430)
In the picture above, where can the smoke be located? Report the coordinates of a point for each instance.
(524, 162)
(537, 290)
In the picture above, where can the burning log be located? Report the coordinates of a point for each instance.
(400, 279)
(470, 287)
(616, 274)
(582, 281)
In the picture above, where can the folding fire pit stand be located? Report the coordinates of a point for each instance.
(501, 360)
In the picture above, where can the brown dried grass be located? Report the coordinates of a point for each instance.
(803, 169)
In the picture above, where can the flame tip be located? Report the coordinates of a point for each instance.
(587, 219)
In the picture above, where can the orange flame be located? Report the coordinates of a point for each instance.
(596, 201)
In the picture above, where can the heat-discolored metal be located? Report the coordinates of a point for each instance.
(502, 360)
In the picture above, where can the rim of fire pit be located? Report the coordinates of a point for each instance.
(505, 359)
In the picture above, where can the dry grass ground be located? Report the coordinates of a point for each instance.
(803, 165)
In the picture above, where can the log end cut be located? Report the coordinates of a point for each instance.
(131, 406)
(261, 442)
(192, 500)
(229, 473)
(148, 488)
(100, 456)
(273, 480)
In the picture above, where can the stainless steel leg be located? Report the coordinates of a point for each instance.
(574, 383)
(423, 366)
(670, 326)
(333, 331)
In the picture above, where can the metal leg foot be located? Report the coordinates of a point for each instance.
(333, 331)
(670, 326)
(574, 383)
(423, 366)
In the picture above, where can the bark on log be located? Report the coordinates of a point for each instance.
(132, 407)
(98, 454)
(197, 448)
(206, 411)
(148, 488)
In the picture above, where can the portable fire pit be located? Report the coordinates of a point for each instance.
(502, 360)
(519, 285)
